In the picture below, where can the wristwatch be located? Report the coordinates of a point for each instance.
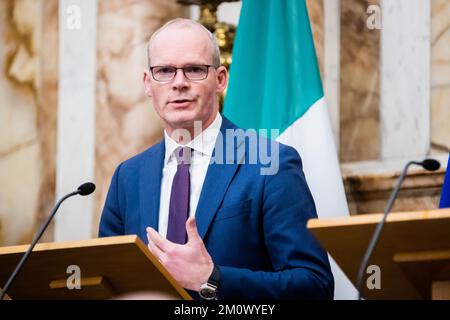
(210, 289)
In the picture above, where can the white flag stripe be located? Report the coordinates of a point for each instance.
(312, 137)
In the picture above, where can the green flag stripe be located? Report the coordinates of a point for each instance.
(274, 77)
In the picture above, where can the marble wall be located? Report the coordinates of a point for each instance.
(126, 123)
(360, 129)
(28, 90)
(368, 186)
(316, 17)
(405, 79)
(48, 95)
(440, 76)
(359, 83)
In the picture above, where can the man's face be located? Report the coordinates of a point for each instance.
(181, 101)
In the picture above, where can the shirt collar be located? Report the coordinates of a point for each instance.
(203, 143)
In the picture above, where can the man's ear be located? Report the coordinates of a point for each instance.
(222, 79)
(147, 85)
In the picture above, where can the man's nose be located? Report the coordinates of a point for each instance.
(180, 81)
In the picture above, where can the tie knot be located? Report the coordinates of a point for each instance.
(183, 155)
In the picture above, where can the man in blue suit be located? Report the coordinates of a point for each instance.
(225, 222)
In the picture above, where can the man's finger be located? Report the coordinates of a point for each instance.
(162, 243)
(154, 249)
(191, 229)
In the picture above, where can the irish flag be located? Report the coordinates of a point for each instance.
(275, 84)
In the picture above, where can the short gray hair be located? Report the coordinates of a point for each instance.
(188, 23)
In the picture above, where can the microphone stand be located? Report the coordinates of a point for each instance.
(379, 228)
(85, 189)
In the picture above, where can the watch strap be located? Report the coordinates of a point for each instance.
(214, 278)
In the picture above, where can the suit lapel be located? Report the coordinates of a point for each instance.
(218, 178)
(150, 187)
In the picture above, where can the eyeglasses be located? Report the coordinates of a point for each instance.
(191, 72)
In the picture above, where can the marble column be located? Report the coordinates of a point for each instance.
(325, 17)
(405, 79)
(330, 79)
(76, 115)
(440, 76)
(126, 123)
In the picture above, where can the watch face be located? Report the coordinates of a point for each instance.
(208, 293)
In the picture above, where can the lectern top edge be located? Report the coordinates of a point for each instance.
(74, 244)
(373, 218)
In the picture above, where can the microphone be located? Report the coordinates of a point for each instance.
(427, 164)
(86, 189)
(83, 190)
(431, 164)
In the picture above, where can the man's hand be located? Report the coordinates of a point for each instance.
(190, 264)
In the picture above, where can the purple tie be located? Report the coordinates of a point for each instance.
(179, 198)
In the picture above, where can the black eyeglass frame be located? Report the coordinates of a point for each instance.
(184, 71)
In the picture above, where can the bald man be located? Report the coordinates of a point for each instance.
(225, 226)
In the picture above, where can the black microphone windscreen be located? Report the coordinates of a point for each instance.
(431, 164)
(86, 188)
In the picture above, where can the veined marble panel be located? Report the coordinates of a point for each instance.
(440, 76)
(316, 17)
(47, 115)
(125, 122)
(360, 88)
(27, 116)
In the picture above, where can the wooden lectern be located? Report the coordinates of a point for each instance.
(109, 267)
(413, 252)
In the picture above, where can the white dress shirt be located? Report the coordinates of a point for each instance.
(202, 146)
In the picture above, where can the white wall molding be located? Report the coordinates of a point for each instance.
(76, 115)
(405, 78)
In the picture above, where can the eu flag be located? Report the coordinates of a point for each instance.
(445, 195)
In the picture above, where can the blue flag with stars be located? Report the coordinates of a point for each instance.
(445, 195)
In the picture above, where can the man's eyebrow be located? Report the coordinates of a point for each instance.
(186, 64)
